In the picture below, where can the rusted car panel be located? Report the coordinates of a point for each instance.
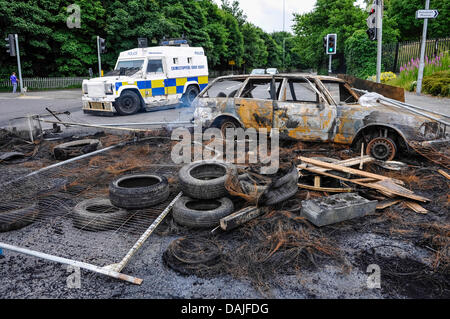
(327, 110)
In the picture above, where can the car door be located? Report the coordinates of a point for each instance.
(303, 112)
(255, 102)
(153, 89)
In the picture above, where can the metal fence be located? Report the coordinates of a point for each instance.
(45, 83)
(397, 54)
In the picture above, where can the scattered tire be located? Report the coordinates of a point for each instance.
(76, 148)
(201, 213)
(14, 217)
(189, 96)
(139, 191)
(98, 214)
(129, 103)
(382, 148)
(205, 179)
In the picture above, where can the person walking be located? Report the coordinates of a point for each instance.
(13, 79)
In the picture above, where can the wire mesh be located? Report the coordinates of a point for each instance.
(37, 212)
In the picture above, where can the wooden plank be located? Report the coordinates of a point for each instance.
(348, 162)
(416, 207)
(326, 189)
(443, 173)
(376, 186)
(349, 170)
(387, 203)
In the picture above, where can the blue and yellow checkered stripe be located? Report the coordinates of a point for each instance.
(165, 87)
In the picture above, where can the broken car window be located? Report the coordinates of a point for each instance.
(154, 66)
(300, 91)
(339, 92)
(224, 88)
(260, 89)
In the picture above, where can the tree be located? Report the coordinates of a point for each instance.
(403, 13)
(255, 52)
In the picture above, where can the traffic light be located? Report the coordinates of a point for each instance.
(11, 45)
(102, 45)
(331, 43)
(372, 24)
(325, 43)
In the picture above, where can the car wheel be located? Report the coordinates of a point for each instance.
(98, 214)
(138, 191)
(189, 96)
(382, 148)
(201, 213)
(226, 124)
(128, 103)
(205, 179)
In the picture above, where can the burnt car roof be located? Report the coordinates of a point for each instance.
(283, 75)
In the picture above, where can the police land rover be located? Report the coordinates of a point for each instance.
(147, 79)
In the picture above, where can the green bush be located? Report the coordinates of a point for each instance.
(437, 83)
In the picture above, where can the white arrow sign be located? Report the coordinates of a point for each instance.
(426, 14)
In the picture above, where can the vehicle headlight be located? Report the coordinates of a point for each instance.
(85, 88)
(430, 130)
(109, 89)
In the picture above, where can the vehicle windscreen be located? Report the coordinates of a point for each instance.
(258, 71)
(224, 88)
(129, 68)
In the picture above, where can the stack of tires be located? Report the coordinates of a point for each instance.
(205, 201)
(127, 193)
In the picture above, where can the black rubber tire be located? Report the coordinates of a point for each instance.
(76, 148)
(208, 179)
(13, 217)
(98, 221)
(139, 191)
(280, 189)
(202, 213)
(189, 96)
(129, 103)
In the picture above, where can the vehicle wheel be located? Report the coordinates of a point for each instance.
(382, 148)
(189, 96)
(205, 179)
(201, 213)
(76, 148)
(98, 214)
(138, 191)
(13, 217)
(128, 103)
(226, 124)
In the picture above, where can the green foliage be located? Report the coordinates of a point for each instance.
(437, 84)
(403, 12)
(50, 48)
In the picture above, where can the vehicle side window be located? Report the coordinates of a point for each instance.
(260, 89)
(154, 66)
(224, 88)
(339, 92)
(300, 91)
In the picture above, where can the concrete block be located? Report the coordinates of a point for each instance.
(337, 208)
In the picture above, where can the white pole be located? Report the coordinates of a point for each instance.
(329, 64)
(422, 51)
(379, 37)
(18, 62)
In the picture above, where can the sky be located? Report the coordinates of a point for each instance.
(268, 14)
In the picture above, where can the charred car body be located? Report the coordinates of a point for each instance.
(312, 108)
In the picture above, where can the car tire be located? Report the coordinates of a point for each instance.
(227, 123)
(196, 213)
(13, 217)
(189, 96)
(98, 214)
(205, 179)
(129, 103)
(138, 191)
(75, 148)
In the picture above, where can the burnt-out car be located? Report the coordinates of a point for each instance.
(312, 108)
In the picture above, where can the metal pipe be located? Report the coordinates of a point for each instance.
(149, 123)
(101, 270)
(98, 126)
(118, 267)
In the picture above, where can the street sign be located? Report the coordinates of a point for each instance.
(232, 62)
(426, 14)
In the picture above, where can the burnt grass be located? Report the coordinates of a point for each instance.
(412, 249)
